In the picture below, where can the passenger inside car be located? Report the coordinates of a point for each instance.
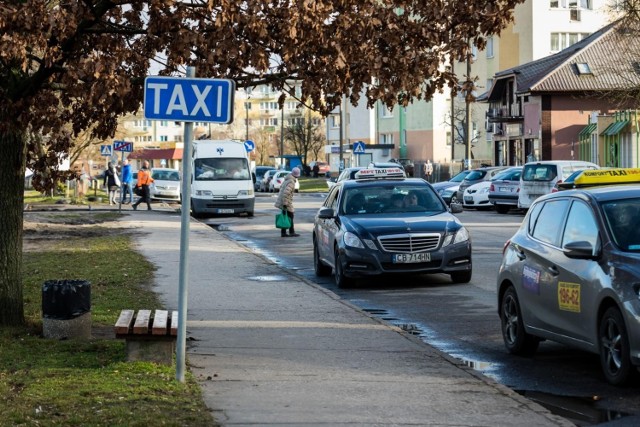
(625, 225)
(355, 204)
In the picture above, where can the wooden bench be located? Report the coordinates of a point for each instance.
(150, 335)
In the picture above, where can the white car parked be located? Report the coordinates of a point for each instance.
(166, 184)
(477, 196)
(278, 179)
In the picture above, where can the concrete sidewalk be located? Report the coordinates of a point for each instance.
(270, 348)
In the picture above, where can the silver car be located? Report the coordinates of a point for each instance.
(476, 176)
(571, 274)
(504, 189)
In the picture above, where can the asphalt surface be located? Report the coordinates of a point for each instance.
(271, 348)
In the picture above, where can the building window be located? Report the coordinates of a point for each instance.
(386, 138)
(560, 41)
(335, 121)
(385, 112)
(564, 4)
(164, 138)
(583, 68)
(490, 47)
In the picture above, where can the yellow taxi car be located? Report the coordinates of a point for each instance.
(571, 273)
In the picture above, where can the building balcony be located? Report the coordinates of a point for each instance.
(505, 113)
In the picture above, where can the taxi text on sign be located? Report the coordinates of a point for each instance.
(188, 99)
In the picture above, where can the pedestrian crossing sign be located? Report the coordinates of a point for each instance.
(358, 147)
(105, 150)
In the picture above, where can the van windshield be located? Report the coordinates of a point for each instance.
(221, 169)
(539, 173)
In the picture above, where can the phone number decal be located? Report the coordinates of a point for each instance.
(569, 296)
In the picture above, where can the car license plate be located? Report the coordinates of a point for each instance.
(505, 189)
(411, 258)
(225, 211)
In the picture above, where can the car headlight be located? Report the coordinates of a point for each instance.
(460, 236)
(204, 193)
(245, 192)
(447, 193)
(485, 190)
(351, 239)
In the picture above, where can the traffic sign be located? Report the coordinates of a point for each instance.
(123, 146)
(188, 99)
(358, 147)
(249, 145)
(105, 150)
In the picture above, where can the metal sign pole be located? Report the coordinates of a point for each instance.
(184, 245)
(121, 182)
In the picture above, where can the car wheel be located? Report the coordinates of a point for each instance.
(194, 212)
(461, 276)
(341, 280)
(320, 268)
(615, 356)
(502, 209)
(516, 339)
(249, 213)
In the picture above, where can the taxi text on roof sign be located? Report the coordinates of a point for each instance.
(607, 176)
(188, 99)
(380, 173)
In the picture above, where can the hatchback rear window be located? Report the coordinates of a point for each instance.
(475, 175)
(539, 173)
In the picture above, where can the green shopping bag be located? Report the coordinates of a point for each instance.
(283, 220)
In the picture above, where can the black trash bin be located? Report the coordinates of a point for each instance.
(66, 309)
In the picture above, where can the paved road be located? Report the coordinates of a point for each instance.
(458, 319)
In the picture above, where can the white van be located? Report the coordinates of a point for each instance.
(221, 181)
(539, 178)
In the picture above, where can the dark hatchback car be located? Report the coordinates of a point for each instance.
(504, 190)
(368, 227)
(571, 274)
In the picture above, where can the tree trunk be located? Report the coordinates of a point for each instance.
(12, 168)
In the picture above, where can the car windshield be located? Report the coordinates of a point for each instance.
(390, 199)
(221, 169)
(623, 220)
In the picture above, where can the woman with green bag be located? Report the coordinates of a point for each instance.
(284, 202)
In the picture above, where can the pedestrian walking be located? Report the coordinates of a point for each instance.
(111, 183)
(428, 170)
(127, 177)
(144, 181)
(285, 200)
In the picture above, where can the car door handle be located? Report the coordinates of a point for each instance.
(553, 270)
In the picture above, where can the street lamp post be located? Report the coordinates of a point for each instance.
(247, 107)
(282, 137)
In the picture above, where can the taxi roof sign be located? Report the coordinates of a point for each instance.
(607, 177)
(380, 173)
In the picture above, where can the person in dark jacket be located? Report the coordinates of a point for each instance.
(126, 182)
(111, 183)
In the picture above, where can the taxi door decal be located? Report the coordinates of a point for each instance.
(531, 279)
(569, 296)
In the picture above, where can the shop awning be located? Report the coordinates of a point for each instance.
(587, 131)
(615, 128)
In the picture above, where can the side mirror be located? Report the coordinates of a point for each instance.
(326, 213)
(580, 250)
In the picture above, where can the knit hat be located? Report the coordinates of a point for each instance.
(295, 172)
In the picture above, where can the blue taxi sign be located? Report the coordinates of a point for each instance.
(188, 99)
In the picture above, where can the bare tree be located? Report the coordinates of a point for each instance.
(67, 67)
(305, 137)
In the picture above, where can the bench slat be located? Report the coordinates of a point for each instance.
(174, 323)
(160, 322)
(141, 326)
(124, 322)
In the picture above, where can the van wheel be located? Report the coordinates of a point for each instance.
(249, 213)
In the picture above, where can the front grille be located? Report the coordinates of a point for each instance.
(408, 243)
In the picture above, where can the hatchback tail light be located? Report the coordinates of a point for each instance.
(506, 245)
(492, 188)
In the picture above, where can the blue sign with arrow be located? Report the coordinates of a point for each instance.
(188, 99)
(249, 145)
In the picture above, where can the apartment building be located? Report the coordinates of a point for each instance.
(425, 130)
